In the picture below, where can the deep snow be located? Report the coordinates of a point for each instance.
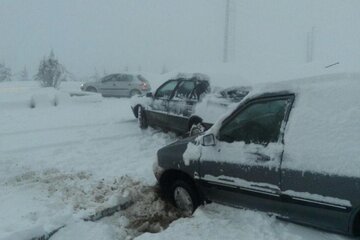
(60, 163)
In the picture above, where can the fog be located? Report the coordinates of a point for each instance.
(142, 34)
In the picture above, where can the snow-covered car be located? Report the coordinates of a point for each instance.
(119, 85)
(290, 149)
(174, 104)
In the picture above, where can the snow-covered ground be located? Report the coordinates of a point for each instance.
(64, 158)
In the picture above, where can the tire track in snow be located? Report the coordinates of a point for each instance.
(65, 128)
(70, 143)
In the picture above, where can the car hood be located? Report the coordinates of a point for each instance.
(171, 156)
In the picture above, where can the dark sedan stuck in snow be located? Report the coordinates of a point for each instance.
(290, 149)
(172, 105)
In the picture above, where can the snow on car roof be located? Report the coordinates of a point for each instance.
(323, 131)
(199, 76)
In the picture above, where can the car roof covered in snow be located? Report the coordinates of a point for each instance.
(323, 131)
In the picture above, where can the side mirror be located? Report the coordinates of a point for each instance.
(208, 140)
(149, 94)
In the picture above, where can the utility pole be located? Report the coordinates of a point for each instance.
(310, 41)
(226, 33)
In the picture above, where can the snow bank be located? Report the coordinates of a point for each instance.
(214, 222)
(86, 230)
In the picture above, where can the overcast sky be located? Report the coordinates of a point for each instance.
(112, 34)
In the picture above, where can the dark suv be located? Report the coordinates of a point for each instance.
(171, 106)
(288, 150)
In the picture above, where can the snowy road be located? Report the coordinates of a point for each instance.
(59, 164)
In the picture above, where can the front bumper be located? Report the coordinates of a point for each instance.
(158, 171)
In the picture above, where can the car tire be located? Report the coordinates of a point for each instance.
(134, 92)
(142, 121)
(184, 196)
(91, 89)
(196, 129)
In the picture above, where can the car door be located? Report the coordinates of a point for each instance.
(108, 84)
(123, 85)
(181, 105)
(315, 198)
(243, 168)
(157, 110)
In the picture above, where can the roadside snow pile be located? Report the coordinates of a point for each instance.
(15, 95)
(47, 98)
(86, 230)
(86, 195)
(69, 198)
(214, 222)
(83, 196)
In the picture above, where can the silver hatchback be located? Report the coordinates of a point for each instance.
(119, 85)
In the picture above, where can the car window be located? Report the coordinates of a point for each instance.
(185, 89)
(259, 123)
(108, 78)
(124, 78)
(127, 77)
(166, 90)
(201, 88)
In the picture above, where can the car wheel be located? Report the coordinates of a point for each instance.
(184, 197)
(134, 92)
(91, 89)
(196, 128)
(142, 121)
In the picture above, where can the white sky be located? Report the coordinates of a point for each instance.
(112, 34)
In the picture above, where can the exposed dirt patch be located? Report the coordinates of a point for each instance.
(150, 213)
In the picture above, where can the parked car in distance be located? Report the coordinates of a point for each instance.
(119, 85)
(172, 105)
(290, 149)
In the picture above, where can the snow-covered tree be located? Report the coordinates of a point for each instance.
(24, 76)
(5, 73)
(51, 73)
